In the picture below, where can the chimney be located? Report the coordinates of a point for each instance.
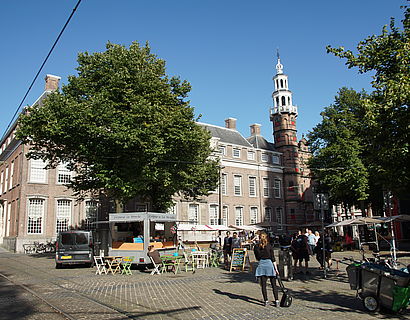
(230, 123)
(52, 82)
(255, 129)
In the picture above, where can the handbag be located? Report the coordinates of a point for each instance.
(287, 298)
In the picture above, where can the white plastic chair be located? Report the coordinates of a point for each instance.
(100, 265)
(156, 267)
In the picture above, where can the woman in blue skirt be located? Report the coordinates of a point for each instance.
(266, 268)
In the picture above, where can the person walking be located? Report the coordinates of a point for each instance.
(266, 268)
(300, 252)
(311, 242)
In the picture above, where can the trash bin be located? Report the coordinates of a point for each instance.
(354, 273)
(285, 263)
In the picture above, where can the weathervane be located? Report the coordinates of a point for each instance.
(279, 66)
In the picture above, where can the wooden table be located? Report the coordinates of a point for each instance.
(113, 264)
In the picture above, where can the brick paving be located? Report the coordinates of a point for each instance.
(211, 293)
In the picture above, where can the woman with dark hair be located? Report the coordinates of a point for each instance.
(266, 267)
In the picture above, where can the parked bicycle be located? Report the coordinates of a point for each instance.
(38, 247)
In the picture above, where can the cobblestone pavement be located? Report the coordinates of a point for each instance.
(28, 284)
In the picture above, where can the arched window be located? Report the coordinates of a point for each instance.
(281, 83)
(283, 101)
(277, 101)
(289, 101)
(277, 84)
(286, 83)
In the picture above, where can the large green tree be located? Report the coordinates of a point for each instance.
(387, 114)
(339, 149)
(125, 128)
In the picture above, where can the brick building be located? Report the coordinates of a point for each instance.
(260, 181)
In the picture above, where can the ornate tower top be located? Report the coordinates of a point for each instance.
(279, 66)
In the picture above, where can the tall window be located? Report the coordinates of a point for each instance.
(213, 214)
(193, 213)
(223, 183)
(239, 216)
(236, 153)
(1, 182)
(225, 215)
(279, 218)
(63, 174)
(252, 186)
(38, 173)
(11, 175)
(277, 188)
(253, 215)
(266, 187)
(237, 185)
(63, 215)
(6, 179)
(91, 207)
(268, 214)
(35, 216)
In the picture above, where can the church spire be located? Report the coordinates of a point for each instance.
(279, 66)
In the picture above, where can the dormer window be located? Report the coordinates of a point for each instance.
(236, 153)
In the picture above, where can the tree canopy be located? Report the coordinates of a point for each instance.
(375, 135)
(125, 128)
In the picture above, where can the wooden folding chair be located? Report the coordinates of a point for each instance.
(189, 263)
(100, 265)
(156, 267)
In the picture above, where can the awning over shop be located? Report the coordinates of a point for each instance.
(246, 227)
(201, 227)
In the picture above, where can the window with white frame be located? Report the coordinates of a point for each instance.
(224, 180)
(225, 215)
(275, 159)
(277, 185)
(6, 179)
(265, 157)
(268, 214)
(11, 175)
(266, 187)
(253, 215)
(213, 214)
(63, 215)
(239, 216)
(252, 186)
(251, 155)
(1, 182)
(222, 150)
(35, 215)
(237, 185)
(63, 174)
(91, 207)
(279, 218)
(236, 153)
(193, 213)
(38, 173)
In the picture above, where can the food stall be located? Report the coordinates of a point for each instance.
(132, 233)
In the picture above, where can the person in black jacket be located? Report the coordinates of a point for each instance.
(227, 249)
(266, 267)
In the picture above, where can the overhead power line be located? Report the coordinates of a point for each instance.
(41, 68)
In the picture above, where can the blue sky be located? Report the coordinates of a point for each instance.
(226, 49)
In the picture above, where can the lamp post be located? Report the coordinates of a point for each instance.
(321, 203)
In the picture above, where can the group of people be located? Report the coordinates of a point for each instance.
(229, 244)
(302, 245)
(307, 244)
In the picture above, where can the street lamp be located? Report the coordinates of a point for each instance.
(322, 203)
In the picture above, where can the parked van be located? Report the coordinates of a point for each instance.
(74, 247)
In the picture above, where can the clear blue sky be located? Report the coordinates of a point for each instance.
(226, 49)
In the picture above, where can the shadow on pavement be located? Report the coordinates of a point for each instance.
(12, 303)
(171, 312)
(236, 296)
